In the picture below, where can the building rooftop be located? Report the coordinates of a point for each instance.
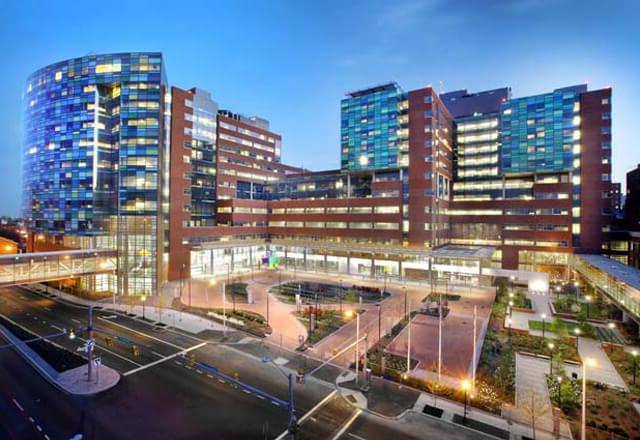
(387, 86)
(627, 274)
(457, 251)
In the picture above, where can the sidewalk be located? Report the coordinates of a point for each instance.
(603, 371)
(72, 381)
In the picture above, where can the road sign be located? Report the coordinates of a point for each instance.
(98, 360)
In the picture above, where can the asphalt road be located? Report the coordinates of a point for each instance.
(167, 399)
(172, 398)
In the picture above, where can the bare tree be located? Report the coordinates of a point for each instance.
(533, 405)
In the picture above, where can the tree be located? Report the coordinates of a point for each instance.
(533, 405)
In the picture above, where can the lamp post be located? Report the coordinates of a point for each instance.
(409, 345)
(590, 362)
(551, 346)
(634, 355)
(144, 300)
(510, 309)
(224, 308)
(543, 316)
(465, 387)
(340, 295)
(405, 300)
(559, 392)
(212, 282)
(577, 332)
(587, 298)
(509, 324)
(292, 416)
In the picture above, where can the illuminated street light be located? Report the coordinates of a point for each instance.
(543, 316)
(465, 385)
(551, 347)
(588, 300)
(634, 354)
(577, 332)
(144, 300)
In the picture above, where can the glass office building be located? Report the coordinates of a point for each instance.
(539, 132)
(92, 156)
(374, 129)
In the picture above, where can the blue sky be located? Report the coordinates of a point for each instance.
(292, 61)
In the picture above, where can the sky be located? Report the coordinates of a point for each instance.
(292, 61)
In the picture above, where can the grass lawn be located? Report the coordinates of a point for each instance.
(564, 328)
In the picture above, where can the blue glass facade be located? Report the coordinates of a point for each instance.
(92, 148)
(538, 133)
(371, 128)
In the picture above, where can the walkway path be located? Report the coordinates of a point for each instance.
(603, 371)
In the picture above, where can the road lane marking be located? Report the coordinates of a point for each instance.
(357, 437)
(77, 321)
(56, 327)
(164, 359)
(157, 354)
(114, 353)
(144, 334)
(347, 425)
(16, 403)
(318, 405)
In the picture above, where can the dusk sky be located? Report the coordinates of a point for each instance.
(292, 61)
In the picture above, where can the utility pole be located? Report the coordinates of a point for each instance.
(357, 345)
(440, 337)
(90, 343)
(409, 346)
(473, 361)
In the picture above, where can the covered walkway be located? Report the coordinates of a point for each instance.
(48, 266)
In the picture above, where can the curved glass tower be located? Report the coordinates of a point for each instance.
(93, 146)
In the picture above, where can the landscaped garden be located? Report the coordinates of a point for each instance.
(623, 361)
(326, 322)
(564, 328)
(324, 293)
(237, 292)
(596, 309)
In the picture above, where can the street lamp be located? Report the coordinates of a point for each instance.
(292, 416)
(349, 315)
(409, 345)
(224, 308)
(509, 324)
(543, 316)
(212, 282)
(466, 385)
(634, 355)
(588, 300)
(510, 309)
(590, 362)
(551, 347)
(577, 332)
(559, 393)
(143, 299)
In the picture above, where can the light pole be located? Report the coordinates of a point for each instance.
(409, 345)
(543, 316)
(224, 308)
(440, 336)
(587, 298)
(357, 345)
(340, 296)
(559, 392)
(212, 282)
(577, 332)
(292, 415)
(380, 337)
(583, 431)
(144, 300)
(509, 324)
(634, 355)
(405, 300)
(465, 387)
(510, 309)
(551, 347)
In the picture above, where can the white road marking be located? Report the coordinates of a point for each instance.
(357, 437)
(16, 403)
(31, 420)
(318, 405)
(77, 321)
(144, 334)
(56, 327)
(159, 361)
(347, 425)
(114, 353)
(39, 428)
(158, 354)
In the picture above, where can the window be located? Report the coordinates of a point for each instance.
(606, 145)
(428, 99)
(606, 177)
(387, 209)
(605, 101)
(606, 130)
(188, 103)
(428, 114)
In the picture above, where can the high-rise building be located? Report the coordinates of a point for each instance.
(632, 201)
(115, 158)
(93, 147)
